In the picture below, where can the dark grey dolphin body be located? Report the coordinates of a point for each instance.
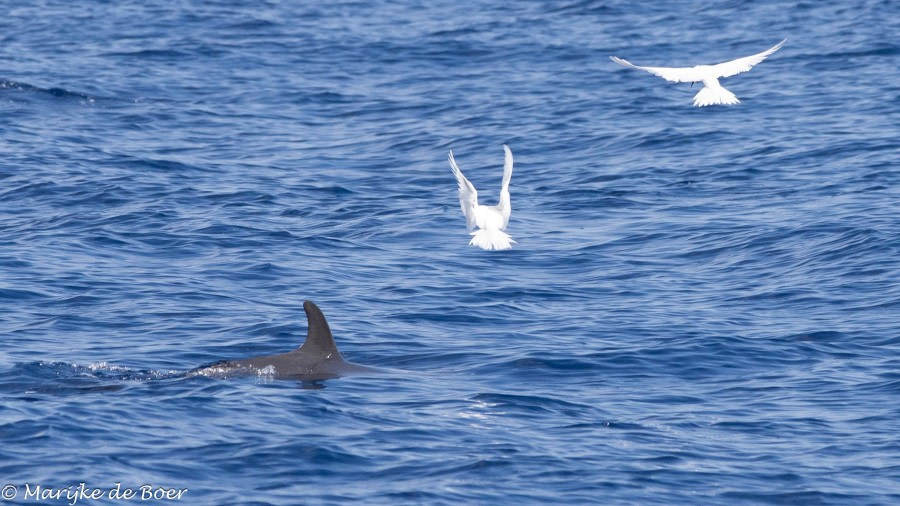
(318, 358)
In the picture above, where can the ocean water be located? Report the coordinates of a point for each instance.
(702, 307)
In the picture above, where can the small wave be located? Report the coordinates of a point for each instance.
(48, 376)
(106, 366)
(161, 54)
(54, 92)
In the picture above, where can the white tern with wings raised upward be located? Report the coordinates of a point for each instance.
(490, 221)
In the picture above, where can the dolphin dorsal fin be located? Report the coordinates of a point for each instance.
(318, 338)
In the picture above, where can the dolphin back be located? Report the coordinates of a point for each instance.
(318, 358)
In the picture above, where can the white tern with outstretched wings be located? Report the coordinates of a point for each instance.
(712, 92)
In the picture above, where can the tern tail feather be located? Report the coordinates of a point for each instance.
(491, 239)
(712, 96)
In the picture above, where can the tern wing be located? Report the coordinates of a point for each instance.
(507, 168)
(674, 74)
(504, 206)
(744, 64)
(468, 195)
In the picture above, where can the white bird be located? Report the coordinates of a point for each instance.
(491, 221)
(712, 92)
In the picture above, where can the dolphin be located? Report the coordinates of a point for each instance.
(317, 359)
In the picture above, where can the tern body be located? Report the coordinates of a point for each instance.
(490, 221)
(712, 92)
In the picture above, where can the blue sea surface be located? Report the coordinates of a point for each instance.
(702, 307)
